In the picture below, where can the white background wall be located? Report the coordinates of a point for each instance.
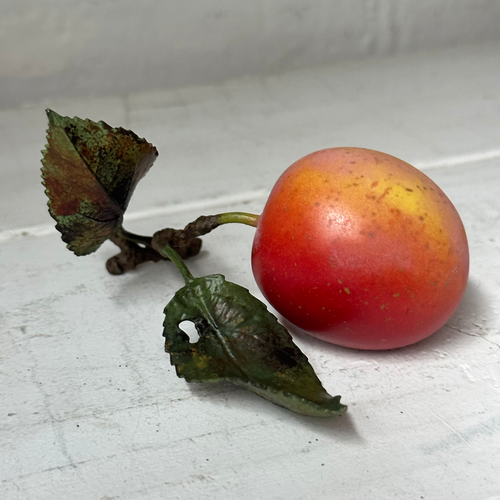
(54, 48)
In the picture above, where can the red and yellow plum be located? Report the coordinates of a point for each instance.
(360, 249)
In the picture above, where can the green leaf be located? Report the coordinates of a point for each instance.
(242, 343)
(90, 171)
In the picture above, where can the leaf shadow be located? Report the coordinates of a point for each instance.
(341, 428)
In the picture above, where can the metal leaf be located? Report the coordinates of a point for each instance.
(242, 343)
(90, 171)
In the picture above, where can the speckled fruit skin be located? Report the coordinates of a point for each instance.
(360, 249)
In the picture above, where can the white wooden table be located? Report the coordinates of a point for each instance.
(91, 408)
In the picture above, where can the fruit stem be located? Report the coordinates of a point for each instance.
(238, 217)
(181, 243)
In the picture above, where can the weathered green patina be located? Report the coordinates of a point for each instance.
(240, 342)
(90, 171)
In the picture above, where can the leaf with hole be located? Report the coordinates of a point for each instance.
(241, 342)
(90, 171)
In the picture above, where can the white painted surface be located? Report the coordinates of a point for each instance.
(90, 407)
(87, 47)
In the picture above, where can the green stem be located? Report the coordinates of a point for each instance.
(135, 238)
(238, 217)
(168, 251)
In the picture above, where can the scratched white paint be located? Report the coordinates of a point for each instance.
(91, 408)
